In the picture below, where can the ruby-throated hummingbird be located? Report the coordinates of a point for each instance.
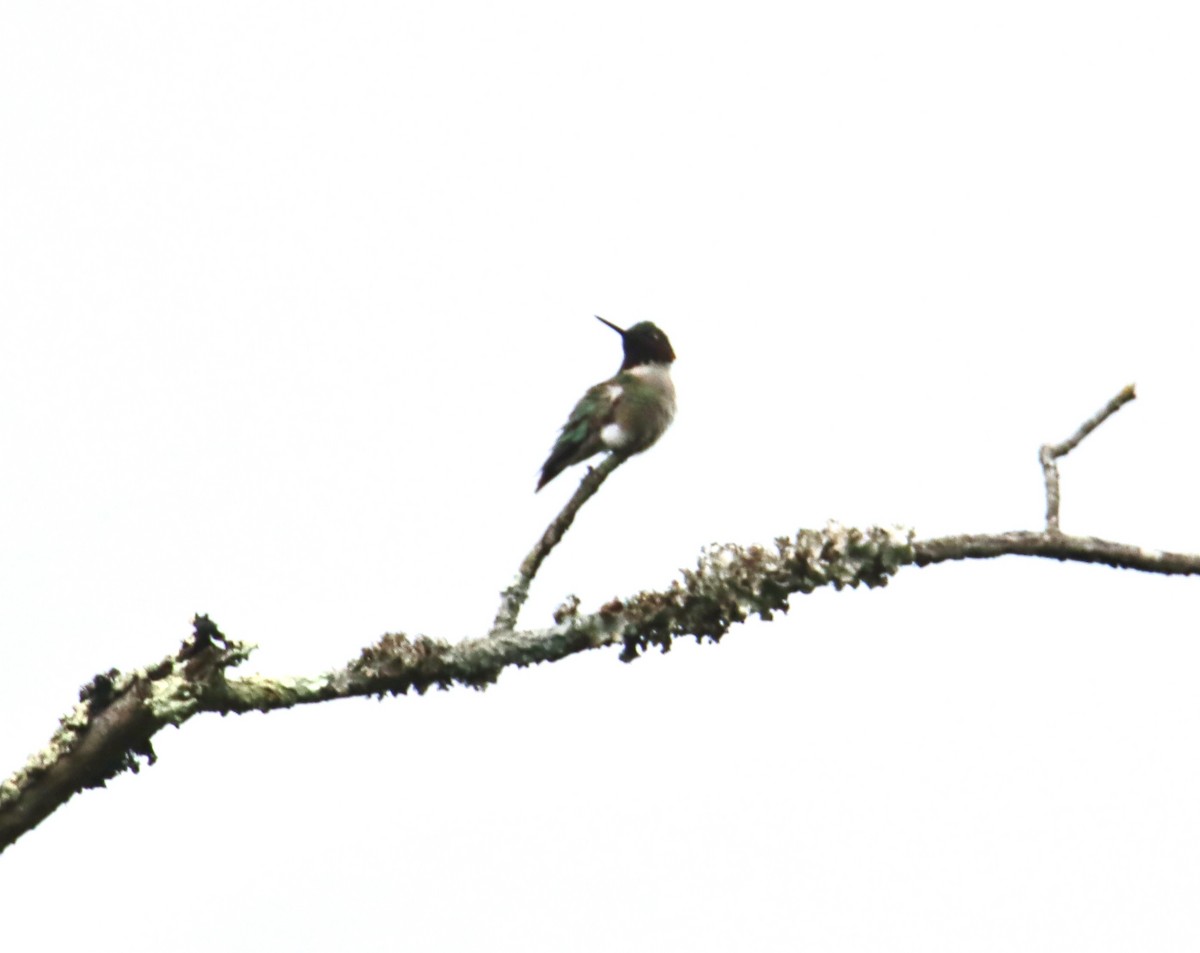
(626, 413)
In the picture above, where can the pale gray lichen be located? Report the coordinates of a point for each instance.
(731, 582)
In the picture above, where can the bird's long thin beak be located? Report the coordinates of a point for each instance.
(620, 331)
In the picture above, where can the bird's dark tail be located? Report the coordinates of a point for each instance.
(558, 461)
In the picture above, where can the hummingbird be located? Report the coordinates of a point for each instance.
(625, 414)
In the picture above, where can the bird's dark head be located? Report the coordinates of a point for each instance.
(645, 343)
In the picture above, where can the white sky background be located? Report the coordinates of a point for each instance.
(293, 298)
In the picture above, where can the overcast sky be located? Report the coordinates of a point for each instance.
(293, 299)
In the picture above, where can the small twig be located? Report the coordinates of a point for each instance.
(1050, 452)
(515, 595)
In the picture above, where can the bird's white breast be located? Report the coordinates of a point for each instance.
(658, 376)
(655, 378)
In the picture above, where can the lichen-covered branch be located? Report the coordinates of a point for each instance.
(109, 731)
(111, 728)
(118, 714)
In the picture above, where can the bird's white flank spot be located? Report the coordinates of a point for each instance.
(613, 436)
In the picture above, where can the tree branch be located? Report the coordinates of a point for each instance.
(111, 728)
